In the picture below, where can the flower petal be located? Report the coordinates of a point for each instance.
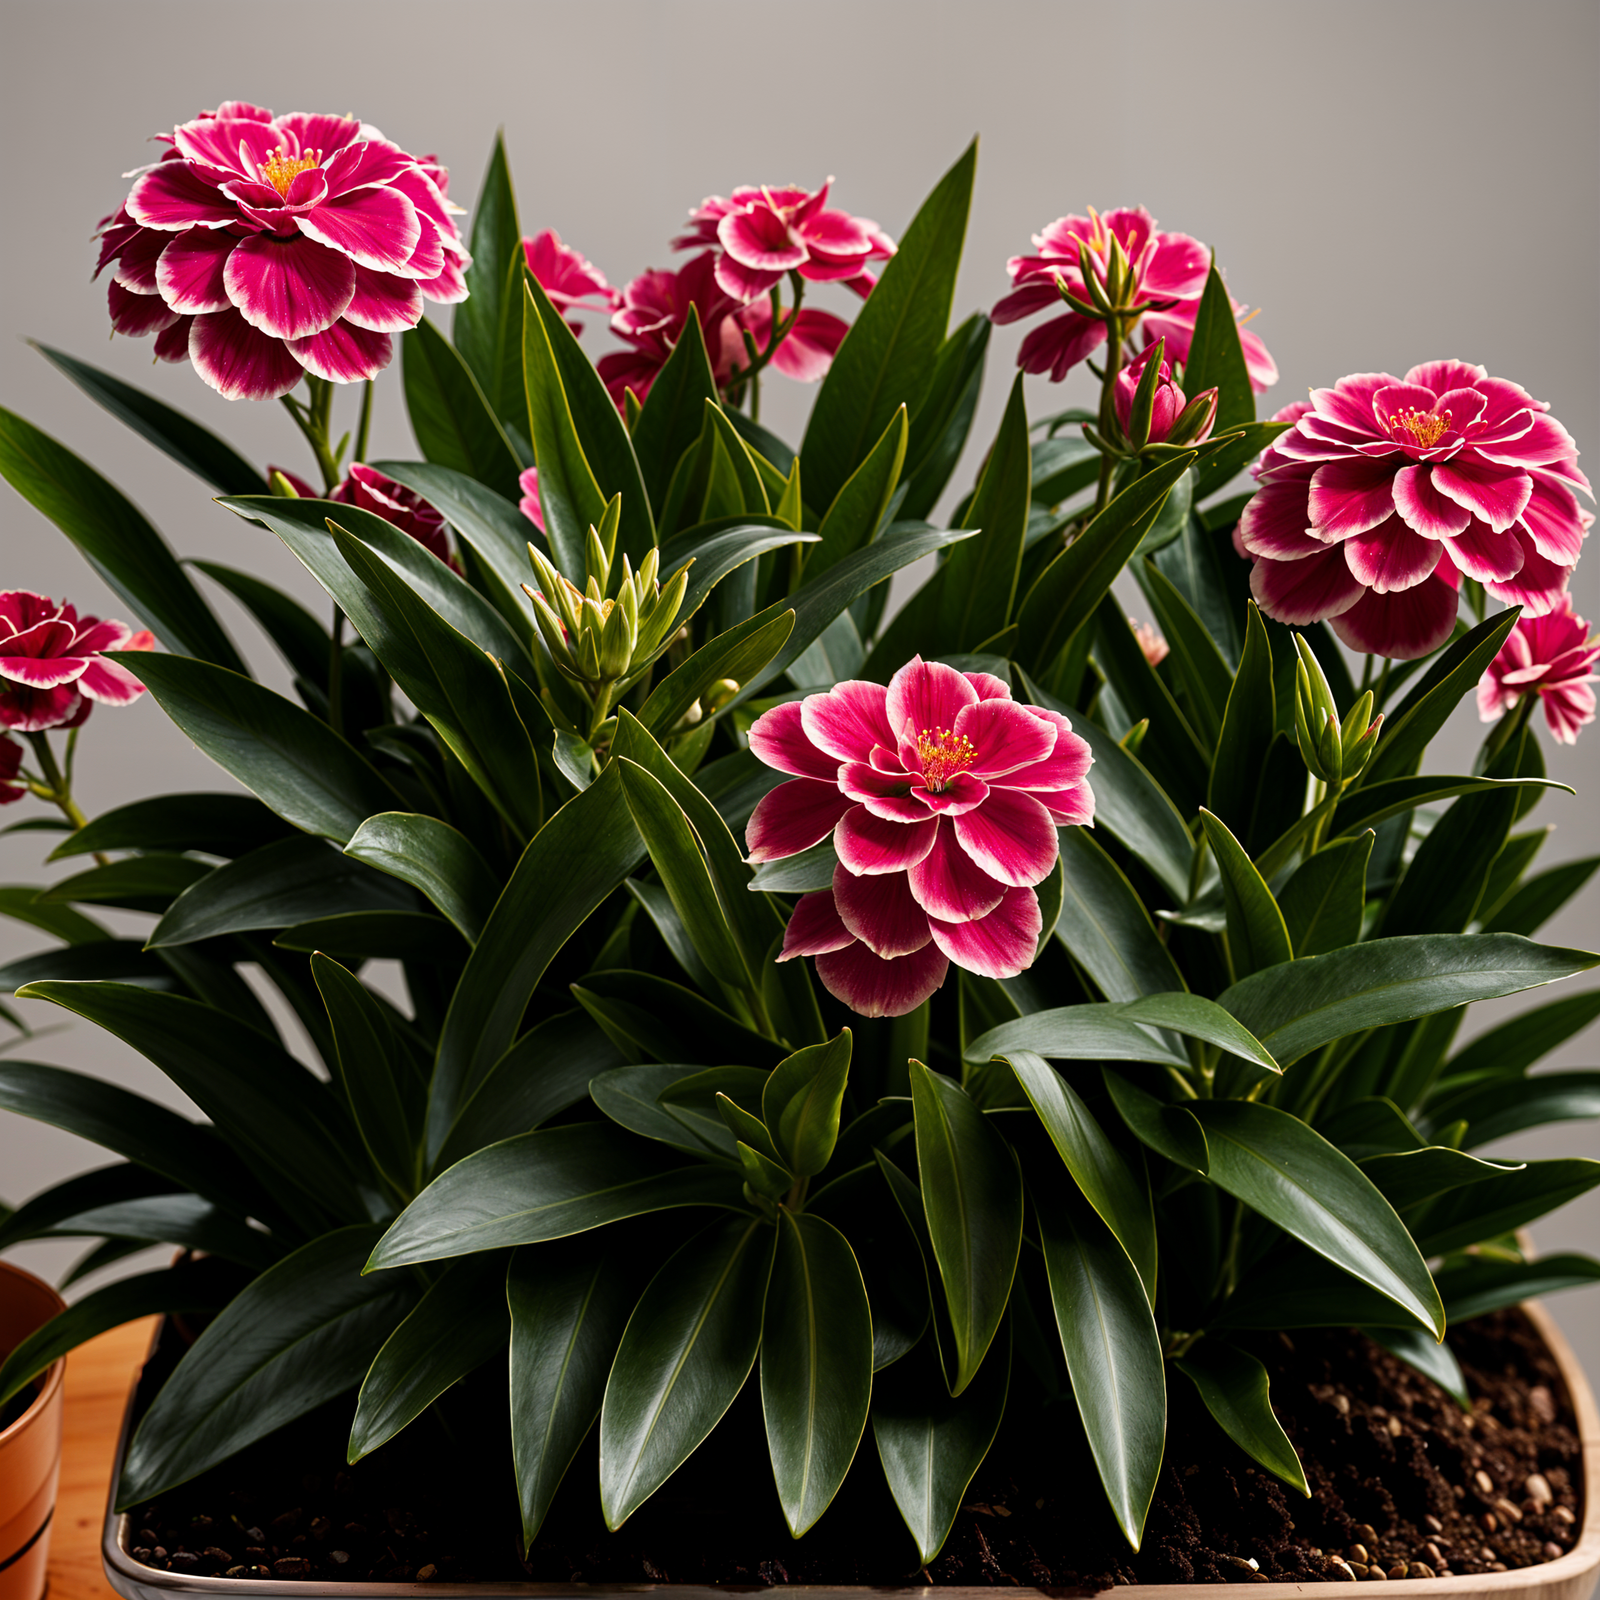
(1065, 767)
(110, 683)
(189, 274)
(376, 228)
(848, 720)
(1276, 520)
(344, 353)
(172, 196)
(948, 884)
(881, 912)
(814, 928)
(778, 737)
(869, 846)
(885, 794)
(1496, 494)
(925, 696)
(1485, 555)
(1011, 837)
(1554, 522)
(240, 362)
(873, 987)
(999, 945)
(50, 672)
(289, 287)
(1006, 735)
(1351, 496)
(1391, 557)
(1424, 508)
(1538, 584)
(384, 303)
(1403, 626)
(137, 314)
(792, 818)
(1300, 592)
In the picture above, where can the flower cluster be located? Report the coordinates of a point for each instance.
(943, 796)
(1386, 491)
(570, 281)
(263, 248)
(51, 668)
(1554, 657)
(1155, 280)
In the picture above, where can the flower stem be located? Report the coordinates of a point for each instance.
(1108, 410)
(312, 421)
(57, 785)
(364, 427)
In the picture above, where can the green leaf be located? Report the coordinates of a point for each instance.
(1097, 1167)
(487, 325)
(120, 960)
(545, 1185)
(672, 417)
(451, 416)
(1433, 1361)
(942, 419)
(816, 1365)
(1323, 901)
(1507, 1051)
(1496, 1110)
(180, 437)
(687, 1349)
(1539, 898)
(798, 874)
(1405, 1178)
(128, 1299)
(1064, 596)
(1195, 656)
(376, 936)
(738, 654)
(1257, 935)
(460, 1323)
(304, 1331)
(853, 517)
(1500, 1204)
(1409, 728)
(720, 547)
(1216, 359)
(972, 1194)
(493, 526)
(1444, 881)
(1472, 1286)
(1248, 724)
(136, 883)
(1098, 1032)
(568, 869)
(1199, 1018)
(569, 1304)
(290, 759)
(1112, 1348)
(801, 1103)
(632, 1098)
(1298, 1008)
(299, 638)
(1169, 1130)
(218, 824)
(1295, 1178)
(978, 584)
(291, 880)
(1371, 804)
(435, 860)
(888, 358)
(116, 540)
(1232, 1384)
(652, 1018)
(930, 1443)
(1105, 926)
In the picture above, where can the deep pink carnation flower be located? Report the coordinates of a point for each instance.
(943, 796)
(1386, 490)
(385, 498)
(529, 505)
(570, 281)
(1552, 655)
(762, 234)
(263, 248)
(51, 665)
(1169, 276)
(10, 764)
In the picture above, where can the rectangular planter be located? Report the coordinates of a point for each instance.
(1571, 1577)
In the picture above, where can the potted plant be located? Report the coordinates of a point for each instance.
(837, 1020)
(30, 1440)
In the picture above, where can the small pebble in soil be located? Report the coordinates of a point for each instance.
(1483, 1482)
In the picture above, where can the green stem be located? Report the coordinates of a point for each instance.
(364, 427)
(1108, 409)
(313, 424)
(57, 785)
(780, 332)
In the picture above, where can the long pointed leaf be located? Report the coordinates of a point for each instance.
(1233, 1385)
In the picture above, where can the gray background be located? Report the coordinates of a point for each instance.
(1390, 183)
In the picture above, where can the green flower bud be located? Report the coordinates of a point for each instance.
(720, 693)
(1330, 757)
(616, 642)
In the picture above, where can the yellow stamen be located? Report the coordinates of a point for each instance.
(943, 755)
(281, 170)
(1425, 427)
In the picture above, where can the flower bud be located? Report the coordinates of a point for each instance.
(616, 642)
(720, 693)
(1148, 403)
(1330, 755)
(1358, 754)
(1196, 420)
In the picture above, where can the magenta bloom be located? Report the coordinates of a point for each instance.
(10, 763)
(1552, 655)
(385, 498)
(763, 234)
(1387, 490)
(1169, 400)
(570, 281)
(1169, 276)
(529, 505)
(51, 665)
(263, 248)
(943, 796)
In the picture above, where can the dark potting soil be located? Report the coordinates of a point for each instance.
(1404, 1483)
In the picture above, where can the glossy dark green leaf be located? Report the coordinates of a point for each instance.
(632, 1098)
(651, 1018)
(942, 419)
(377, 936)
(453, 420)
(119, 960)
(136, 883)
(1408, 1177)
(853, 517)
(685, 1354)
(1216, 358)
(972, 1194)
(571, 865)
(816, 1365)
(1475, 1285)
(1296, 1179)
(1233, 1386)
(1507, 1051)
(292, 761)
(1257, 936)
(1199, 1018)
(672, 417)
(888, 358)
(1112, 1348)
(205, 455)
(304, 1331)
(1322, 903)
(1195, 657)
(126, 1300)
(545, 1185)
(1444, 881)
(487, 325)
(1434, 1361)
(290, 880)
(1540, 897)
(1064, 596)
(460, 1323)
(569, 1304)
(1298, 1008)
(722, 547)
(930, 1443)
(218, 824)
(1097, 1032)
(299, 638)
(434, 859)
(1219, 469)
(1168, 1129)
(1105, 926)
(1497, 1109)
(116, 539)
(802, 1101)
(493, 526)
(1248, 723)
(799, 874)
(1371, 804)
(1098, 1168)
(738, 654)
(1296, 1288)
(1500, 1204)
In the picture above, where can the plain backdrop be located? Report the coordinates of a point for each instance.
(1389, 182)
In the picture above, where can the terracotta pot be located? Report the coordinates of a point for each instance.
(30, 1449)
(1571, 1577)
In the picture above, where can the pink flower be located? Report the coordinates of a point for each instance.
(10, 764)
(1552, 655)
(1152, 646)
(763, 234)
(569, 280)
(1386, 490)
(529, 505)
(51, 665)
(1169, 401)
(263, 248)
(385, 498)
(943, 796)
(1169, 276)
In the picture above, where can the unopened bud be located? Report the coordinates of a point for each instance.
(1357, 756)
(720, 693)
(1330, 757)
(1196, 420)
(616, 643)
